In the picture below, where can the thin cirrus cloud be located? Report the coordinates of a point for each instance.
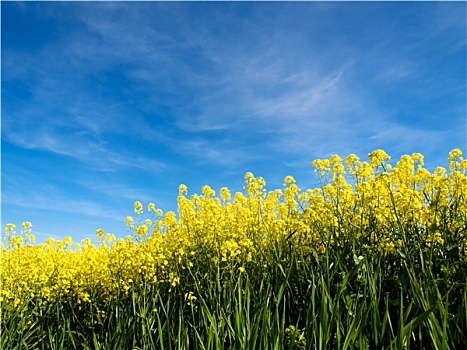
(124, 101)
(294, 100)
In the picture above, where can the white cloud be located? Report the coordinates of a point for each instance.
(54, 202)
(291, 101)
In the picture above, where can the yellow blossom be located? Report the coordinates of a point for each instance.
(138, 207)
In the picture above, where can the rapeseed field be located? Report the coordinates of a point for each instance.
(373, 258)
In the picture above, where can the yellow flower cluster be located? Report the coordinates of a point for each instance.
(372, 203)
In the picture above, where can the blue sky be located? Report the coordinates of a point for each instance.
(105, 103)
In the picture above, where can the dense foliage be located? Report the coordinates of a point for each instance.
(374, 258)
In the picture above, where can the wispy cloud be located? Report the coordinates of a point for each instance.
(116, 100)
(96, 154)
(257, 89)
(40, 201)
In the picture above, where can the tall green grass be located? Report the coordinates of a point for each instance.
(348, 298)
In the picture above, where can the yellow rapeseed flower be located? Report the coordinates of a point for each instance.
(129, 222)
(182, 190)
(238, 232)
(138, 207)
(9, 229)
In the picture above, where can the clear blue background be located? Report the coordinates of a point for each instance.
(105, 103)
